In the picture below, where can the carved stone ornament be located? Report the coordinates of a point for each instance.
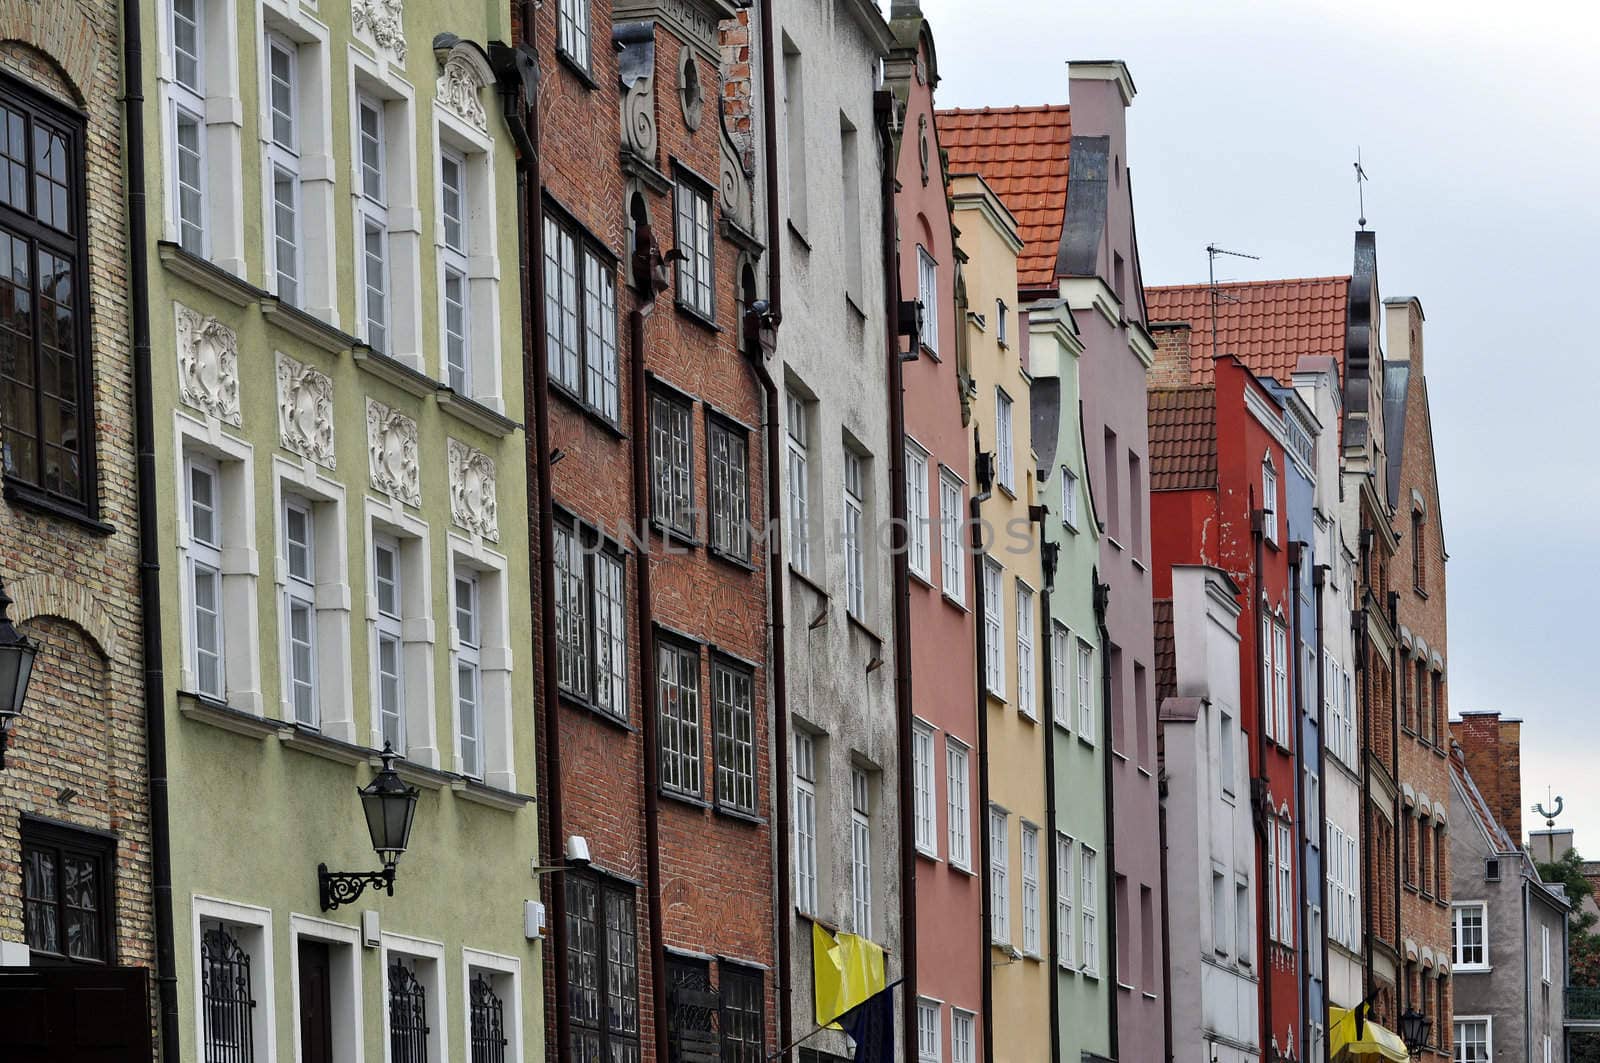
(208, 365)
(392, 460)
(305, 411)
(636, 60)
(733, 183)
(472, 497)
(460, 88)
(382, 19)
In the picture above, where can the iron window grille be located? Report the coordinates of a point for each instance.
(728, 451)
(734, 721)
(66, 894)
(408, 1015)
(487, 1015)
(225, 998)
(672, 464)
(693, 1007)
(46, 380)
(678, 705)
(602, 970)
(591, 623)
(743, 1003)
(580, 295)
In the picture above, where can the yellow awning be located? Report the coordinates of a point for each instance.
(845, 971)
(1375, 1041)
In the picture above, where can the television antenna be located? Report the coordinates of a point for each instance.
(1212, 251)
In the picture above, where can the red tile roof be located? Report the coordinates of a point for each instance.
(1183, 438)
(1023, 153)
(1268, 325)
(1166, 651)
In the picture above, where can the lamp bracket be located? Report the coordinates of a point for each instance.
(343, 887)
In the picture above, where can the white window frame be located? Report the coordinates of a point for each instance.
(994, 625)
(495, 662)
(505, 977)
(1088, 908)
(329, 595)
(374, 261)
(1272, 881)
(928, 295)
(454, 227)
(1031, 935)
(1004, 446)
(1066, 875)
(958, 803)
(1268, 711)
(918, 554)
(856, 531)
(999, 876)
(283, 167)
(1085, 676)
(925, 790)
(470, 257)
(1002, 316)
(861, 850)
(1458, 1039)
(1061, 675)
(806, 867)
(389, 669)
(696, 232)
(929, 1045)
(574, 31)
(387, 521)
(952, 552)
(300, 598)
(251, 926)
(799, 482)
(205, 559)
(1286, 898)
(1544, 952)
(218, 221)
(1269, 501)
(1280, 682)
(1069, 499)
(344, 943)
(1027, 674)
(963, 1025)
(428, 958)
(394, 215)
(467, 636)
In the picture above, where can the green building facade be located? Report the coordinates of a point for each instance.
(341, 467)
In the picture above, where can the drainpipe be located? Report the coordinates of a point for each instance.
(1102, 603)
(155, 696)
(1358, 622)
(883, 112)
(1166, 923)
(1393, 714)
(981, 465)
(1049, 555)
(1319, 577)
(1297, 552)
(1258, 785)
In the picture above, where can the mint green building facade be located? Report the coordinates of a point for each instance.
(341, 466)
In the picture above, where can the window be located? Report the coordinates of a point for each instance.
(574, 42)
(1242, 922)
(580, 298)
(999, 870)
(952, 554)
(1280, 682)
(1112, 509)
(855, 535)
(1440, 851)
(924, 791)
(66, 894)
(958, 811)
(1061, 674)
(861, 851)
(805, 822)
(671, 470)
(1424, 855)
(1313, 938)
(1473, 1044)
(961, 1025)
(799, 485)
(1088, 906)
(1286, 898)
(743, 1003)
(373, 222)
(1030, 889)
(1544, 954)
(1219, 912)
(300, 613)
(205, 577)
(928, 1047)
(46, 379)
(928, 296)
(917, 554)
(729, 449)
(283, 163)
(1001, 331)
(1273, 900)
(1069, 498)
(1471, 941)
(678, 706)
(488, 992)
(454, 299)
(696, 279)
(410, 1010)
(603, 968)
(1547, 1048)
(994, 664)
(1419, 565)
(469, 678)
(1269, 501)
(850, 210)
(389, 646)
(1085, 691)
(1066, 952)
(1027, 685)
(1227, 765)
(188, 92)
(1005, 463)
(733, 717)
(226, 1001)
(1136, 496)
(689, 1020)
(591, 624)
(794, 133)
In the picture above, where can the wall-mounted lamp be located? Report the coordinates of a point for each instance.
(17, 653)
(389, 805)
(577, 857)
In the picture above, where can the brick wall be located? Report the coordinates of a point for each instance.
(1492, 746)
(1171, 366)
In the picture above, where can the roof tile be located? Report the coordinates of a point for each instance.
(1183, 438)
(1267, 325)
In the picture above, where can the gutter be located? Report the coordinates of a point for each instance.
(1358, 624)
(1102, 603)
(1049, 554)
(1319, 578)
(883, 111)
(1258, 784)
(1297, 551)
(155, 697)
(985, 908)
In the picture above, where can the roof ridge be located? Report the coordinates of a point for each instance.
(1276, 281)
(1018, 108)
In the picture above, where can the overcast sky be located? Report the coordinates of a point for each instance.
(1479, 127)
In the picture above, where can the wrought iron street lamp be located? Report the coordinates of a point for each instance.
(389, 805)
(17, 653)
(1414, 1030)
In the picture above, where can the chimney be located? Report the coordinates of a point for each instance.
(1171, 366)
(1402, 322)
(1492, 748)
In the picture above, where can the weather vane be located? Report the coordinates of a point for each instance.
(1556, 805)
(1361, 196)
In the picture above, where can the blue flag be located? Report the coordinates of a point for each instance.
(870, 1025)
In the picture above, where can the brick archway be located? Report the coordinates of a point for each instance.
(60, 31)
(42, 594)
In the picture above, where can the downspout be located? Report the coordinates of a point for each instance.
(1049, 555)
(1166, 923)
(883, 111)
(1102, 604)
(1392, 709)
(981, 641)
(1297, 552)
(1527, 973)
(155, 696)
(776, 574)
(647, 655)
(1319, 577)
(1358, 622)
(1258, 786)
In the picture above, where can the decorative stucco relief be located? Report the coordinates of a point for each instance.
(208, 365)
(472, 497)
(382, 19)
(392, 460)
(305, 411)
(738, 198)
(460, 88)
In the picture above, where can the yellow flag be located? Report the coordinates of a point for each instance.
(846, 970)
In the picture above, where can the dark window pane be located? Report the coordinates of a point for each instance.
(81, 896)
(39, 898)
